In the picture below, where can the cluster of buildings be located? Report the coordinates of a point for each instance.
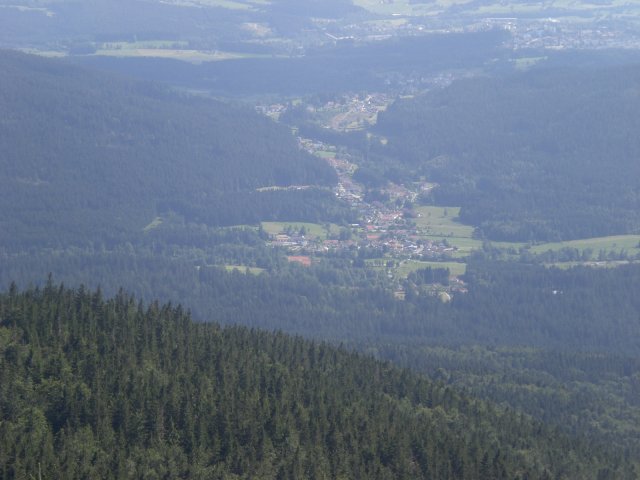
(355, 111)
(385, 227)
(562, 34)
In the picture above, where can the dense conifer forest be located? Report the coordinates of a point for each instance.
(95, 388)
(543, 155)
(100, 157)
(582, 309)
(567, 358)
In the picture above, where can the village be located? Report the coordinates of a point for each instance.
(552, 29)
(386, 229)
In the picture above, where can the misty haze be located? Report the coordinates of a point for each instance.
(319, 239)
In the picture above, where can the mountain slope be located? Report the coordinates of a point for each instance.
(110, 389)
(86, 155)
(549, 154)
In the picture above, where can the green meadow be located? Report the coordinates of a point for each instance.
(186, 55)
(440, 223)
(313, 229)
(244, 269)
(616, 244)
(595, 264)
(156, 222)
(408, 266)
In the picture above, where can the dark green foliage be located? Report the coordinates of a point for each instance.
(430, 275)
(113, 389)
(87, 156)
(506, 304)
(549, 154)
(589, 393)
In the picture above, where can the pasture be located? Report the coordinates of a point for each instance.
(616, 244)
(244, 269)
(440, 223)
(186, 55)
(313, 229)
(155, 223)
(408, 266)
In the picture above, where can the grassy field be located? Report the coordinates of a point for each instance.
(498, 8)
(525, 63)
(325, 154)
(160, 44)
(605, 264)
(440, 223)
(313, 229)
(191, 56)
(156, 222)
(397, 7)
(408, 266)
(244, 269)
(230, 4)
(617, 244)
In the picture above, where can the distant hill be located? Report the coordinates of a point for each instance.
(549, 154)
(80, 27)
(87, 155)
(94, 388)
(347, 66)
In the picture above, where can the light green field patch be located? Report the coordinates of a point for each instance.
(408, 266)
(44, 53)
(393, 7)
(156, 222)
(22, 8)
(313, 229)
(230, 4)
(617, 244)
(393, 22)
(442, 222)
(161, 44)
(525, 63)
(464, 245)
(244, 269)
(191, 56)
(595, 264)
(325, 154)
(510, 9)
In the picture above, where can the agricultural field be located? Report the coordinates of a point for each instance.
(407, 266)
(321, 232)
(186, 55)
(244, 269)
(155, 223)
(604, 264)
(230, 4)
(440, 223)
(616, 244)
(325, 154)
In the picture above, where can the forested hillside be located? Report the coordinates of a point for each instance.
(547, 154)
(91, 157)
(94, 388)
(506, 304)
